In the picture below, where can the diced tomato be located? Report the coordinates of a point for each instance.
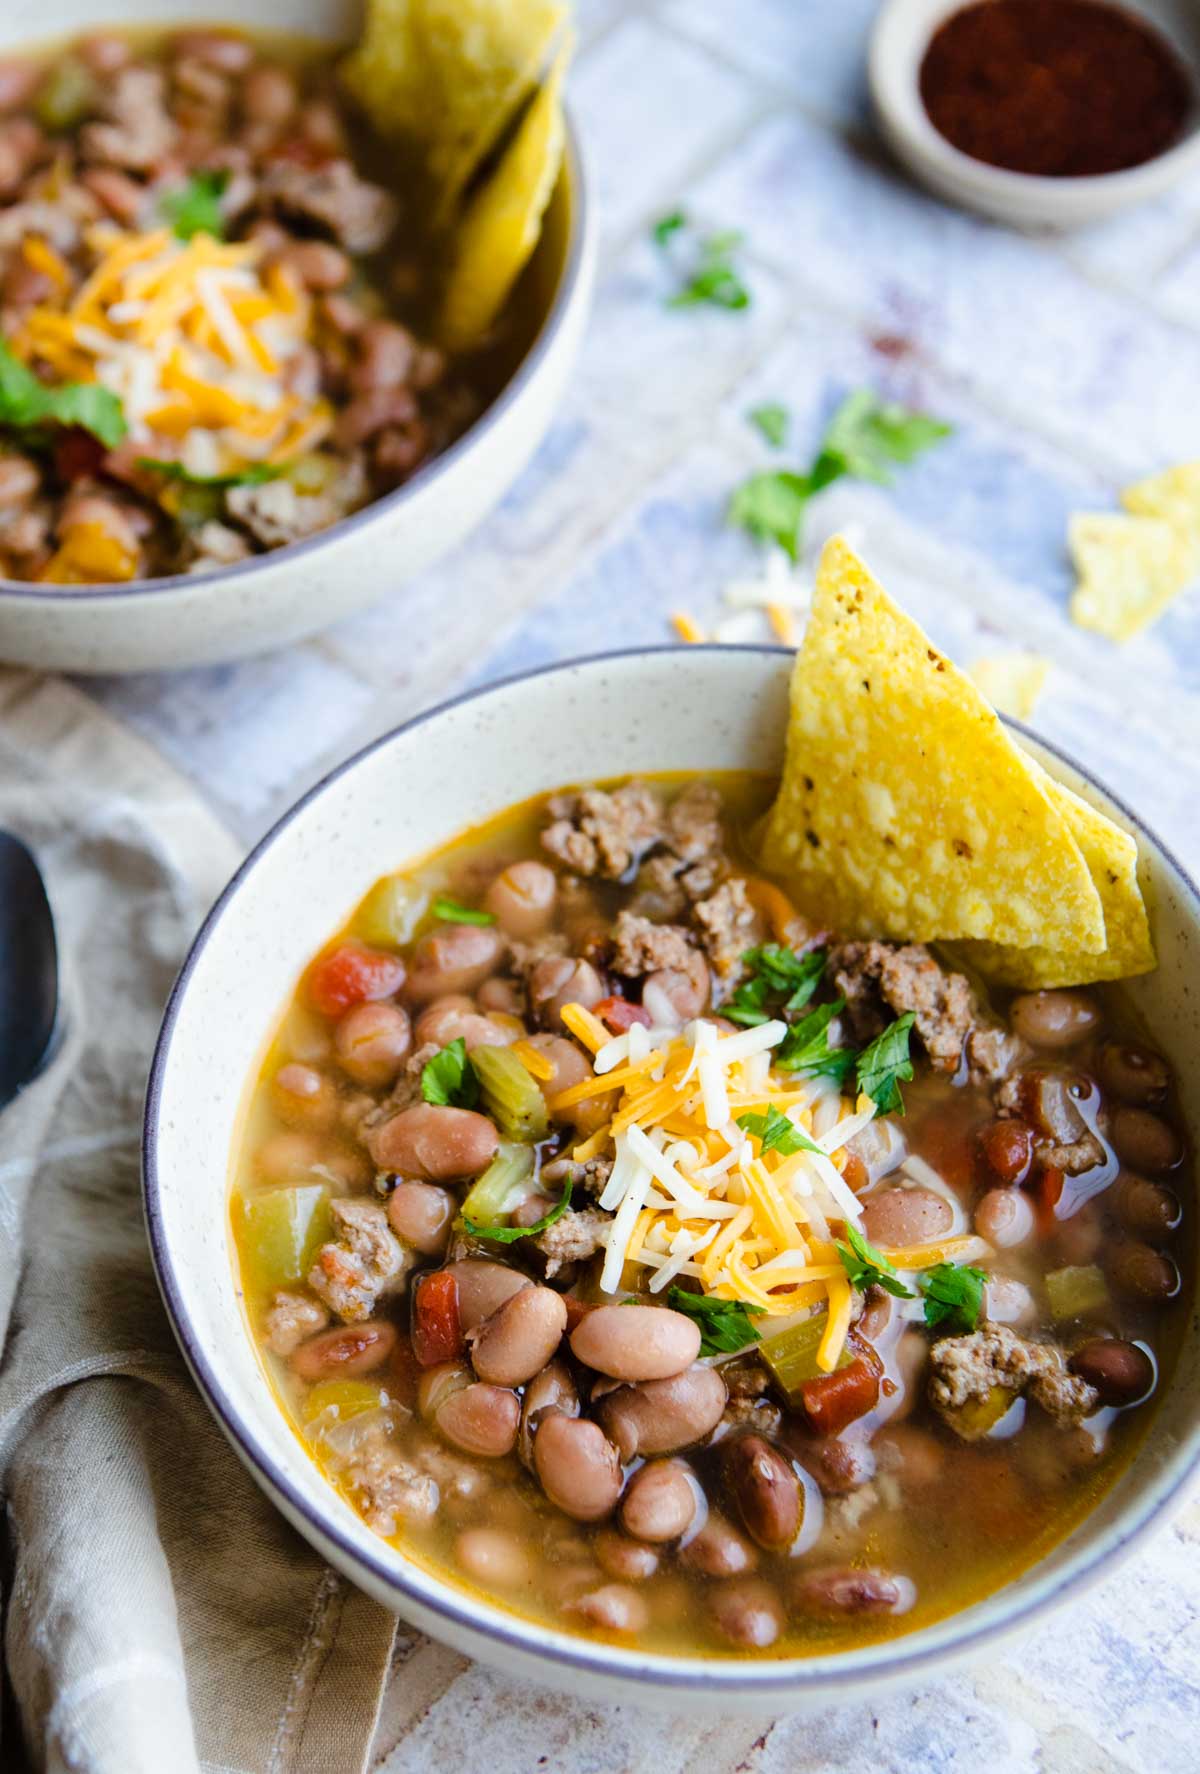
(577, 1311)
(1007, 1148)
(352, 974)
(437, 1332)
(77, 454)
(834, 1400)
(1047, 1193)
(620, 1014)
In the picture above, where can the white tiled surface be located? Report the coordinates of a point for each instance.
(1064, 367)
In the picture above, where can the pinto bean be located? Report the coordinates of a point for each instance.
(1144, 1141)
(1054, 1019)
(105, 53)
(386, 351)
(269, 95)
(367, 415)
(522, 898)
(121, 196)
(321, 127)
(747, 1614)
(452, 958)
(303, 1096)
(685, 989)
(906, 1216)
(571, 1068)
(1135, 1074)
(719, 1550)
(434, 1144)
(612, 1608)
(559, 981)
(19, 481)
(662, 1416)
(1121, 1372)
(1008, 1301)
(578, 1467)
(479, 1419)
(503, 995)
(442, 1023)
(636, 1342)
(372, 1042)
(494, 1558)
(659, 1502)
(917, 1456)
(767, 1491)
(223, 50)
(1139, 1272)
(1005, 1217)
(839, 1465)
(319, 265)
(347, 1350)
(519, 1338)
(1148, 1210)
(630, 1561)
(18, 82)
(421, 1215)
(1007, 1148)
(837, 1589)
(551, 1390)
(484, 1286)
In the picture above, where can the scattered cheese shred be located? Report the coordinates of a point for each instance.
(687, 628)
(585, 1027)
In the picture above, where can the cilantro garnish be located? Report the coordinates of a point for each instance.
(725, 1325)
(883, 1064)
(865, 438)
(196, 207)
(868, 1267)
(451, 912)
(711, 276)
(776, 972)
(771, 420)
(776, 1132)
(510, 1234)
(668, 225)
(448, 1080)
(27, 404)
(953, 1296)
(805, 1048)
(253, 476)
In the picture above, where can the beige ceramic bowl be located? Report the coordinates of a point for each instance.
(278, 597)
(898, 43)
(701, 708)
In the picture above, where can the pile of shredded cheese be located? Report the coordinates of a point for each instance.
(691, 1192)
(196, 338)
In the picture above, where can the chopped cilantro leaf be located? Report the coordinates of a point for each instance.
(196, 207)
(253, 476)
(725, 1325)
(448, 1080)
(868, 1267)
(883, 1064)
(774, 972)
(953, 1296)
(775, 1132)
(510, 1234)
(712, 276)
(26, 404)
(668, 225)
(451, 912)
(772, 421)
(771, 505)
(805, 1048)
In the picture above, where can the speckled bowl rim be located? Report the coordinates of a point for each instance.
(447, 462)
(892, 1659)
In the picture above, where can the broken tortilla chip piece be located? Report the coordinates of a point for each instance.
(448, 77)
(500, 226)
(1173, 497)
(905, 809)
(1112, 858)
(1011, 682)
(1130, 568)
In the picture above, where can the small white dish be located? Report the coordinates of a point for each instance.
(698, 708)
(157, 624)
(899, 39)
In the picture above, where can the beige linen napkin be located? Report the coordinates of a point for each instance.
(160, 1616)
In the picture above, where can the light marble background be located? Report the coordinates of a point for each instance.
(1066, 367)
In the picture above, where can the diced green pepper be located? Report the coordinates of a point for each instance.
(1076, 1291)
(313, 473)
(281, 1232)
(487, 1200)
(348, 1397)
(977, 1417)
(391, 912)
(66, 95)
(792, 1354)
(510, 1094)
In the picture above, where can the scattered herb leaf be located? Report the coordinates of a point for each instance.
(771, 505)
(772, 421)
(451, 912)
(868, 1267)
(776, 972)
(883, 1064)
(775, 1132)
(448, 1080)
(510, 1234)
(805, 1048)
(725, 1325)
(668, 225)
(953, 1296)
(196, 207)
(254, 476)
(711, 275)
(26, 404)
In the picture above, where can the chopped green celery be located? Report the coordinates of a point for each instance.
(391, 911)
(488, 1199)
(66, 95)
(977, 1417)
(792, 1355)
(313, 473)
(348, 1397)
(1076, 1291)
(282, 1231)
(510, 1094)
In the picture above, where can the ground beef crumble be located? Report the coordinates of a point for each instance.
(366, 1261)
(290, 1319)
(574, 1238)
(728, 926)
(876, 978)
(966, 1368)
(641, 947)
(598, 832)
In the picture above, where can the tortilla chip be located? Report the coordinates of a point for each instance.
(1173, 496)
(1112, 858)
(905, 809)
(501, 223)
(1130, 568)
(1011, 682)
(449, 76)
